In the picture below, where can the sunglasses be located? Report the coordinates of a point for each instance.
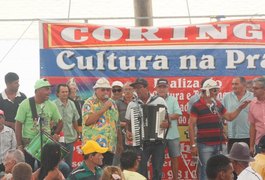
(257, 88)
(215, 90)
(116, 90)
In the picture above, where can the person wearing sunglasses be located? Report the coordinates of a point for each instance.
(208, 114)
(116, 90)
(100, 120)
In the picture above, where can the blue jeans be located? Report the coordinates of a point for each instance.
(205, 152)
(157, 150)
(64, 168)
(69, 157)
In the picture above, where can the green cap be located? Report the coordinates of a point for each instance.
(42, 83)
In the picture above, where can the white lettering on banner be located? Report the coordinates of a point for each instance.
(237, 57)
(245, 31)
(107, 33)
(182, 119)
(188, 95)
(207, 30)
(159, 62)
(179, 33)
(181, 83)
(67, 60)
(137, 34)
(190, 62)
(68, 34)
(183, 107)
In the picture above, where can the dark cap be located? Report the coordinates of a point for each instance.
(262, 142)
(140, 81)
(162, 82)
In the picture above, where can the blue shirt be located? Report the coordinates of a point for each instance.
(239, 127)
(173, 108)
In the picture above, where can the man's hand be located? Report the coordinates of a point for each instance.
(107, 105)
(164, 124)
(56, 137)
(129, 136)
(244, 104)
(21, 148)
(123, 124)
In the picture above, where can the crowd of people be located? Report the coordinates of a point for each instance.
(224, 133)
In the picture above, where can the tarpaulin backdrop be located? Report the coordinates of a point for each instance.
(182, 54)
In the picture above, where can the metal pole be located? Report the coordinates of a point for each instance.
(143, 8)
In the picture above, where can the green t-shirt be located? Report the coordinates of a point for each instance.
(83, 173)
(30, 127)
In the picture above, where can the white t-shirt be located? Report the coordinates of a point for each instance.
(249, 174)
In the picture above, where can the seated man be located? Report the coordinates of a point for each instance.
(259, 163)
(219, 167)
(93, 159)
(129, 164)
(11, 158)
(22, 171)
(7, 141)
(240, 157)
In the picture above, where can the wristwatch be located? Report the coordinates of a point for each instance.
(193, 145)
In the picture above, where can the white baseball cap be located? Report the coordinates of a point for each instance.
(209, 84)
(117, 83)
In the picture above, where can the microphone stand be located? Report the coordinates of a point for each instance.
(40, 119)
(221, 122)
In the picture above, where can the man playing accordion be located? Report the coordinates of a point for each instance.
(147, 147)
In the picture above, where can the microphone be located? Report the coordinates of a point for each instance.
(214, 102)
(214, 105)
(135, 95)
(106, 97)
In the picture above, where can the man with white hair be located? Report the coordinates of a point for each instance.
(207, 114)
(11, 158)
(100, 120)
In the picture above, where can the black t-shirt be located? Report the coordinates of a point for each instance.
(10, 108)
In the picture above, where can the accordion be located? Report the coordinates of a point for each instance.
(145, 123)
